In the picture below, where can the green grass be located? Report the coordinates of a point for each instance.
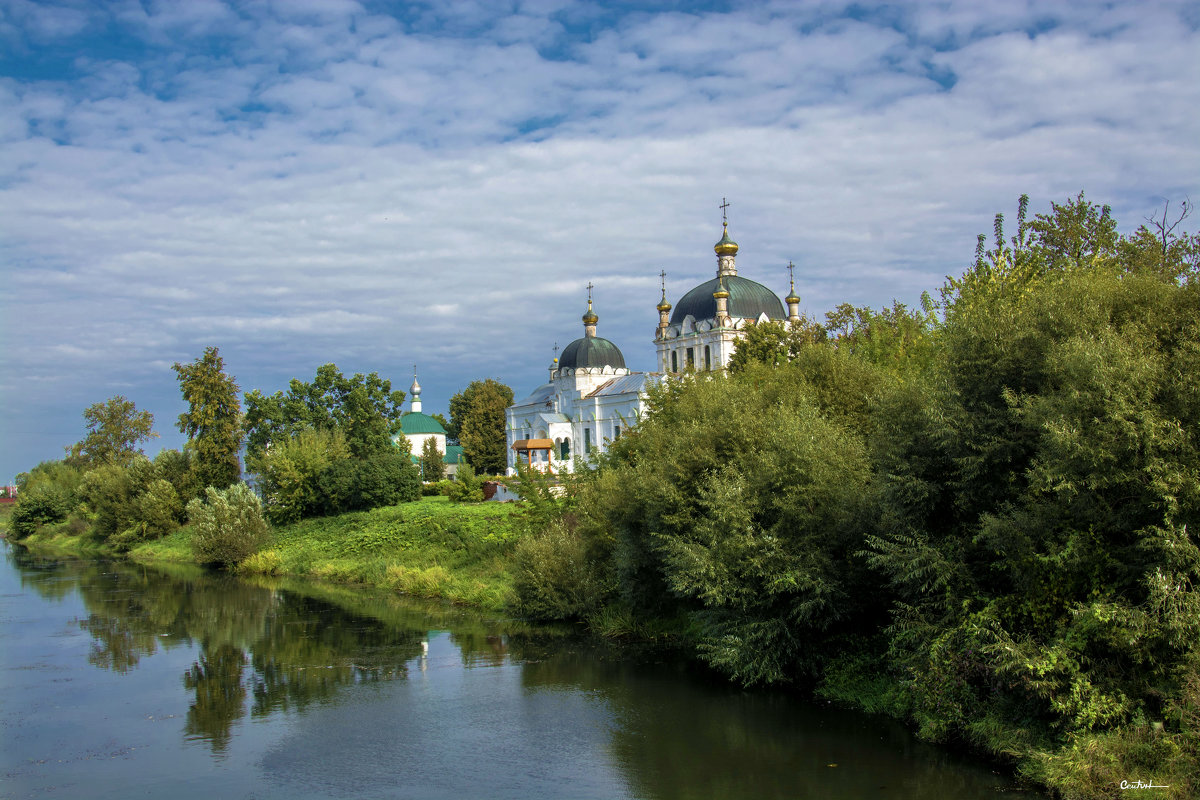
(429, 548)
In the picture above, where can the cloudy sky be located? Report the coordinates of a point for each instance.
(378, 184)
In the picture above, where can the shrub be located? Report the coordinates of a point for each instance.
(47, 502)
(266, 562)
(292, 474)
(466, 487)
(227, 525)
(554, 576)
(363, 484)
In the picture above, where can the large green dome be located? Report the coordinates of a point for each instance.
(593, 352)
(747, 299)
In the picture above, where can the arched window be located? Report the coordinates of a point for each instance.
(674, 361)
(564, 449)
(707, 357)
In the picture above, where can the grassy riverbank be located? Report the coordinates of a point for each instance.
(428, 548)
(460, 552)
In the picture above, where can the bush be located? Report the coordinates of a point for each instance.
(292, 474)
(554, 576)
(466, 487)
(44, 503)
(363, 484)
(228, 525)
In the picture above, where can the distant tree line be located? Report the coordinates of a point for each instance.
(325, 446)
(980, 516)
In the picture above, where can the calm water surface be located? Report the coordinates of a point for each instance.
(118, 681)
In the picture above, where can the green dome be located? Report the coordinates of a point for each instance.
(591, 351)
(416, 422)
(747, 299)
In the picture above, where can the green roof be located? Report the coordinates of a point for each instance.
(747, 299)
(416, 422)
(454, 454)
(591, 351)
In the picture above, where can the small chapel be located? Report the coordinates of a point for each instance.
(417, 426)
(591, 397)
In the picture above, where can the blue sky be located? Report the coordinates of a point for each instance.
(378, 184)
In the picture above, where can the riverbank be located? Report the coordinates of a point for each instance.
(430, 548)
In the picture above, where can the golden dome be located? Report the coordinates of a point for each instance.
(727, 246)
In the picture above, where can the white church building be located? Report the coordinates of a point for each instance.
(591, 397)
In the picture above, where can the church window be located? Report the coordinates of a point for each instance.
(707, 357)
(564, 449)
(674, 361)
(587, 440)
(691, 358)
(616, 431)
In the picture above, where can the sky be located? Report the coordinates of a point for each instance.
(383, 184)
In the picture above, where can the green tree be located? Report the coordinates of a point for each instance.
(364, 408)
(433, 467)
(212, 422)
(115, 429)
(477, 413)
(774, 342)
(290, 473)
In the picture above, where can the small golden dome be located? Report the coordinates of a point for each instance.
(727, 246)
(589, 316)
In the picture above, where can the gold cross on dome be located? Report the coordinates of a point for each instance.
(724, 205)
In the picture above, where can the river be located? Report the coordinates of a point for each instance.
(121, 681)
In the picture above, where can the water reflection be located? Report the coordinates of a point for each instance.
(628, 723)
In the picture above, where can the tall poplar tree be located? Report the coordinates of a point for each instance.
(213, 421)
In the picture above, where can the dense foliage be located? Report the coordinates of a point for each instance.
(979, 515)
(227, 525)
(477, 421)
(364, 408)
(326, 447)
(213, 421)
(115, 429)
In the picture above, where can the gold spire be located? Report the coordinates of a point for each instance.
(727, 246)
(663, 305)
(589, 316)
(792, 296)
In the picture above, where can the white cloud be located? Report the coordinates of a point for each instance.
(332, 185)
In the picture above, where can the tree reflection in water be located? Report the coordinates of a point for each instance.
(273, 649)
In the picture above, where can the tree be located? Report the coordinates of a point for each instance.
(477, 413)
(115, 428)
(364, 408)
(291, 472)
(213, 419)
(433, 468)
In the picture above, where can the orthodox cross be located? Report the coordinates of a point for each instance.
(589, 288)
(791, 277)
(556, 351)
(663, 275)
(724, 205)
